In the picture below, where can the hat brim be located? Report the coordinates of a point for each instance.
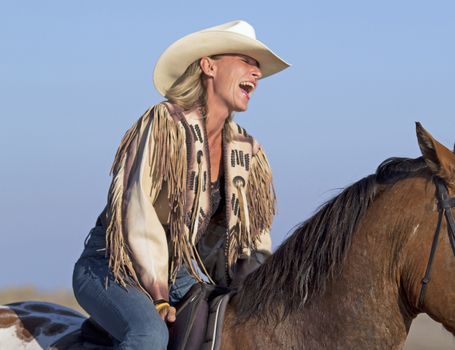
(177, 57)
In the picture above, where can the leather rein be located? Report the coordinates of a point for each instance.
(445, 204)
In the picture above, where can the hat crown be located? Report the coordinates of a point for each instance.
(239, 27)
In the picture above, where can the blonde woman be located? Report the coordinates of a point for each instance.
(191, 197)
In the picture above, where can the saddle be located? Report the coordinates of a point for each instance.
(200, 316)
(198, 325)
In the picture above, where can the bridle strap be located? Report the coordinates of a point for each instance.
(445, 204)
(451, 221)
(451, 226)
(426, 277)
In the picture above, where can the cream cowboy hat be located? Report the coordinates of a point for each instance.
(232, 37)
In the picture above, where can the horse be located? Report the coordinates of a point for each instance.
(31, 325)
(352, 276)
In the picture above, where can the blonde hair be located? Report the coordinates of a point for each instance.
(188, 90)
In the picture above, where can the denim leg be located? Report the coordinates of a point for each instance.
(126, 313)
(183, 283)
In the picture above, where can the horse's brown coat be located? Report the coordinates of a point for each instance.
(7, 318)
(370, 304)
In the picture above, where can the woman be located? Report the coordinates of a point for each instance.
(191, 197)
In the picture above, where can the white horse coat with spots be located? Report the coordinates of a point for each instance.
(34, 325)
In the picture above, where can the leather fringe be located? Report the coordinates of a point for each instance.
(260, 196)
(119, 261)
(168, 164)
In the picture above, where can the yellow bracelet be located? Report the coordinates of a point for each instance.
(161, 306)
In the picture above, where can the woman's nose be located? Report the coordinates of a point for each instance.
(257, 73)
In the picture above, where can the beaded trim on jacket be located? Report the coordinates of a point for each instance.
(178, 150)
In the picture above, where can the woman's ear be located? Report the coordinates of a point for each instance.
(207, 66)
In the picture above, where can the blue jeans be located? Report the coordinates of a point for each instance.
(126, 313)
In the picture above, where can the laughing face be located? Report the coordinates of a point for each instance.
(234, 77)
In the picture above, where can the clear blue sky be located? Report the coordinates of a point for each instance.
(74, 75)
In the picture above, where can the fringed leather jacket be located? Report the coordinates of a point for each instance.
(159, 199)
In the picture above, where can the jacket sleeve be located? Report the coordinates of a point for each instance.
(136, 239)
(145, 235)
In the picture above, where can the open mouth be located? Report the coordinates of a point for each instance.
(247, 87)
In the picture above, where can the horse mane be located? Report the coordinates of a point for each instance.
(315, 252)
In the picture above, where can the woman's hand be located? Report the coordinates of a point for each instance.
(166, 312)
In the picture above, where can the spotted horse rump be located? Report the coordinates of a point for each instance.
(34, 325)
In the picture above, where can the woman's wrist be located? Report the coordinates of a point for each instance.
(160, 304)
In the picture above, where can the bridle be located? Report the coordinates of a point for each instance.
(445, 204)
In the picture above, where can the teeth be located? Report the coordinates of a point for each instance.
(249, 85)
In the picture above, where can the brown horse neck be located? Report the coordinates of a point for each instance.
(345, 317)
(365, 307)
(358, 315)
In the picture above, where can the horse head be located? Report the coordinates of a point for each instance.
(431, 276)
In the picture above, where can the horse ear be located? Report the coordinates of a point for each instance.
(439, 158)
